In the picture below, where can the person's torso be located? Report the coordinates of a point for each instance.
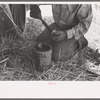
(65, 14)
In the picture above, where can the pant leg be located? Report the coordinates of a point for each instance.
(19, 15)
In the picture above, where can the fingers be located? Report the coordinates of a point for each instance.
(55, 33)
(58, 35)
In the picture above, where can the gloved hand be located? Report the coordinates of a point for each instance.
(58, 35)
(35, 12)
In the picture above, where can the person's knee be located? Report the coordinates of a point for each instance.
(82, 43)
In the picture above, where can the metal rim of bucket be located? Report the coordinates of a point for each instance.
(45, 50)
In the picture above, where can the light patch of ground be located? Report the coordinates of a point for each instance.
(93, 34)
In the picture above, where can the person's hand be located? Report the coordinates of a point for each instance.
(35, 12)
(58, 35)
(55, 33)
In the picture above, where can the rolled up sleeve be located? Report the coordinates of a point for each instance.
(85, 18)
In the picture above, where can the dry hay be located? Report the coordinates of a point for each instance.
(21, 66)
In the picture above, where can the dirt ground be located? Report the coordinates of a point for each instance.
(18, 63)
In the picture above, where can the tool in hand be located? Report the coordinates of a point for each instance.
(35, 12)
(45, 24)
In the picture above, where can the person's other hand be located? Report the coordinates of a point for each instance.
(35, 12)
(55, 33)
(58, 35)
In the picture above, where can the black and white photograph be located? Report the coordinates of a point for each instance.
(49, 49)
(50, 42)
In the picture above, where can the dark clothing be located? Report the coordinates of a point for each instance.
(7, 25)
(19, 15)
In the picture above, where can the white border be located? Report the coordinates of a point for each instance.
(44, 90)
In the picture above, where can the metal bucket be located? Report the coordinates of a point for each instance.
(44, 53)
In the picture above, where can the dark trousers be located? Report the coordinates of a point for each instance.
(19, 15)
